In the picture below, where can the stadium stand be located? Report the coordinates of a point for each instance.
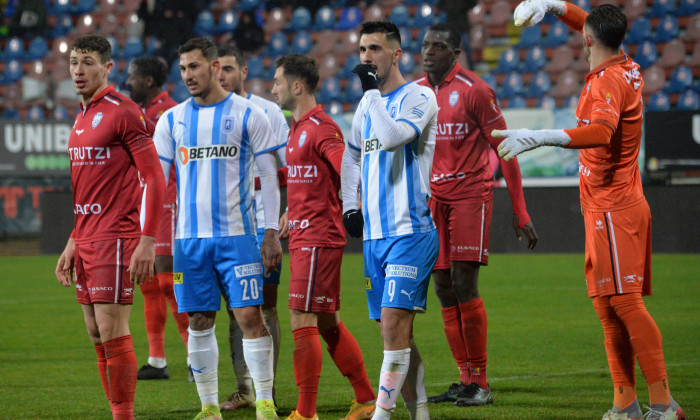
(659, 102)
(689, 101)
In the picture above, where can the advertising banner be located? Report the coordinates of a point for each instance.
(34, 148)
(672, 147)
(20, 203)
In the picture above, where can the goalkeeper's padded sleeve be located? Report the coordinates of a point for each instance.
(574, 17)
(592, 135)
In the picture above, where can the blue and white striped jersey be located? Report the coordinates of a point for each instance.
(213, 148)
(396, 184)
(281, 129)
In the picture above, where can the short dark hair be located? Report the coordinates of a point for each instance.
(93, 43)
(608, 24)
(386, 27)
(151, 66)
(231, 51)
(299, 67)
(454, 37)
(208, 49)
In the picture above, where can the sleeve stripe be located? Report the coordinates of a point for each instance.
(353, 147)
(165, 159)
(271, 149)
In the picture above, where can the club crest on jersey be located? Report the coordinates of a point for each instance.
(96, 120)
(454, 97)
(302, 138)
(227, 125)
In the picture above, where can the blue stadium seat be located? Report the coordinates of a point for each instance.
(116, 77)
(132, 48)
(639, 31)
(583, 4)
(512, 85)
(646, 54)
(14, 50)
(180, 92)
(571, 102)
(83, 6)
(400, 16)
(680, 81)
(59, 7)
(662, 8)
(688, 101)
(325, 18)
(419, 39)
(539, 85)
(60, 113)
(350, 18)
(353, 90)
(116, 51)
(490, 80)
(517, 102)
(667, 29)
(330, 90)
(256, 67)
(174, 74)
(13, 72)
(529, 37)
(277, 45)
(35, 113)
(10, 114)
(407, 64)
(301, 19)
(152, 45)
(302, 43)
(63, 26)
(534, 60)
(508, 62)
(558, 34)
(425, 16)
(688, 7)
(659, 102)
(248, 5)
(350, 64)
(407, 42)
(334, 108)
(38, 48)
(204, 25)
(228, 21)
(547, 102)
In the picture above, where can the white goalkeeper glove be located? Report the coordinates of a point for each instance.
(531, 12)
(522, 140)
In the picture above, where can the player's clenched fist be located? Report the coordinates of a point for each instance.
(354, 222)
(531, 12)
(367, 75)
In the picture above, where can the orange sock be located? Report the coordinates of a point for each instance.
(121, 373)
(347, 356)
(619, 351)
(165, 281)
(646, 341)
(307, 357)
(102, 367)
(474, 325)
(452, 324)
(154, 311)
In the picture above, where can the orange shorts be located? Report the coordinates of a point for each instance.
(314, 282)
(463, 231)
(618, 251)
(101, 271)
(166, 230)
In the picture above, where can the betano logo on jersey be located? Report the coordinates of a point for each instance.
(217, 151)
(372, 145)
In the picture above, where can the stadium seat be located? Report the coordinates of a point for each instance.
(10, 114)
(529, 37)
(228, 21)
(110, 25)
(673, 55)
(667, 29)
(512, 86)
(635, 9)
(350, 18)
(334, 108)
(256, 67)
(662, 8)
(571, 102)
(558, 35)
(153, 44)
(639, 31)
(688, 101)
(646, 54)
(38, 48)
(60, 113)
(301, 19)
(424, 16)
(85, 25)
(500, 14)
(330, 90)
(36, 113)
(477, 14)
(302, 43)
(174, 74)
(688, 7)
(277, 45)
(400, 16)
(257, 87)
(349, 42)
(59, 7)
(659, 102)
(681, 79)
(325, 18)
(116, 51)
(547, 102)
(407, 41)
(478, 37)
(34, 89)
(14, 50)
(204, 25)
(567, 85)
(490, 80)
(275, 22)
(539, 85)
(407, 64)
(583, 4)
(248, 5)
(374, 13)
(62, 27)
(516, 102)
(80, 7)
(350, 63)
(353, 90)
(325, 45)
(508, 62)
(13, 72)
(132, 48)
(562, 59)
(116, 76)
(694, 60)
(180, 92)
(327, 66)
(654, 79)
(534, 60)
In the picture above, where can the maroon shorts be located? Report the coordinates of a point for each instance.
(463, 231)
(101, 271)
(314, 283)
(166, 230)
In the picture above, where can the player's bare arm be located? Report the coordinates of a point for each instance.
(64, 268)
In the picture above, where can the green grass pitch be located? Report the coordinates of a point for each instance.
(546, 358)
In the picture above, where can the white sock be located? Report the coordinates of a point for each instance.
(157, 362)
(204, 356)
(273, 325)
(243, 379)
(258, 356)
(418, 412)
(413, 390)
(394, 368)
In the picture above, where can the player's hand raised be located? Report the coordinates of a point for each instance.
(271, 250)
(531, 12)
(528, 230)
(64, 267)
(367, 75)
(142, 260)
(354, 223)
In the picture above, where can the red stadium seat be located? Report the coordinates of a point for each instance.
(634, 9)
(673, 55)
(654, 80)
(562, 59)
(325, 43)
(567, 85)
(373, 13)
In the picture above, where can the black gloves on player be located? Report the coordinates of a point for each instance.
(367, 75)
(353, 221)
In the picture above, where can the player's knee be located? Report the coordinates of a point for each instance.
(200, 321)
(250, 321)
(627, 303)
